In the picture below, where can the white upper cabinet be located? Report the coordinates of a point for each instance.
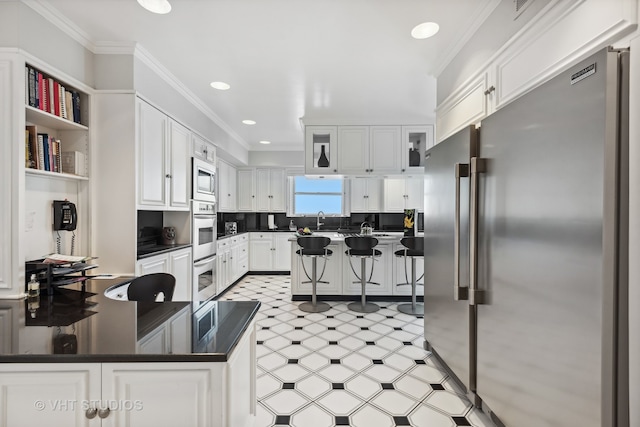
(262, 190)
(363, 150)
(403, 193)
(270, 190)
(565, 32)
(366, 194)
(320, 155)
(179, 166)
(369, 150)
(227, 199)
(385, 149)
(164, 161)
(203, 149)
(246, 190)
(416, 140)
(353, 149)
(152, 143)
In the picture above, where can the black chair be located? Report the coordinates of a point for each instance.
(147, 287)
(363, 247)
(413, 248)
(314, 247)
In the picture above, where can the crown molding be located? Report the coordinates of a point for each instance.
(456, 47)
(149, 60)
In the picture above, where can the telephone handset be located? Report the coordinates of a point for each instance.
(65, 216)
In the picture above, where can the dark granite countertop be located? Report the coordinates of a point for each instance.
(226, 236)
(107, 330)
(149, 251)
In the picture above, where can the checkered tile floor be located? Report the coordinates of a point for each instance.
(341, 368)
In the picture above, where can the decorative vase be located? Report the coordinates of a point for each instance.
(414, 157)
(323, 161)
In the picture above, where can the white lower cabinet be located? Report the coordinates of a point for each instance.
(143, 394)
(55, 395)
(171, 337)
(330, 282)
(382, 273)
(178, 263)
(233, 260)
(269, 251)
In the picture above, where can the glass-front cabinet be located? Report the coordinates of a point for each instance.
(321, 150)
(416, 140)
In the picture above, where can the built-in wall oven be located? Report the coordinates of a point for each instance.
(204, 228)
(203, 181)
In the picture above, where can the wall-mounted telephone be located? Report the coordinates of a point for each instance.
(65, 216)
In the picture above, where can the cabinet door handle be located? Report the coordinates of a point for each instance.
(91, 413)
(104, 413)
(488, 91)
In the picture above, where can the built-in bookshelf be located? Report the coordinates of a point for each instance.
(48, 94)
(56, 132)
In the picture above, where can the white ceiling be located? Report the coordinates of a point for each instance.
(332, 61)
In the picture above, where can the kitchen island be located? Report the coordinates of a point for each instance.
(80, 358)
(340, 283)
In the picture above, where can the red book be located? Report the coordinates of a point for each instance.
(56, 98)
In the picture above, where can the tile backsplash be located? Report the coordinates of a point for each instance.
(250, 221)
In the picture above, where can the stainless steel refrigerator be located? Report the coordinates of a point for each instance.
(526, 252)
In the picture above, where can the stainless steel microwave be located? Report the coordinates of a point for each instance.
(204, 181)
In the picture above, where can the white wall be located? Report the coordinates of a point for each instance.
(42, 39)
(286, 159)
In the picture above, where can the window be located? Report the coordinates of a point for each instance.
(311, 195)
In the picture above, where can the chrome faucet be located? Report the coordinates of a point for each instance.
(318, 223)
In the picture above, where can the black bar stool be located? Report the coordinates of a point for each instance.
(363, 247)
(314, 247)
(413, 248)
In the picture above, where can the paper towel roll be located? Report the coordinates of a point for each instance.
(270, 221)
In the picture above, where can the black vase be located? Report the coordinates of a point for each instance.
(414, 157)
(323, 161)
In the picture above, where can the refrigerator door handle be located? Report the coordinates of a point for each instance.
(459, 293)
(476, 295)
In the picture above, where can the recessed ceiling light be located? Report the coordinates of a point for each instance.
(425, 30)
(265, 142)
(156, 6)
(249, 122)
(220, 85)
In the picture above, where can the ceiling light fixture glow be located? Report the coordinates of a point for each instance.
(425, 30)
(156, 6)
(220, 85)
(265, 142)
(249, 122)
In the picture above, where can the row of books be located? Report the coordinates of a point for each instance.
(48, 94)
(42, 151)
